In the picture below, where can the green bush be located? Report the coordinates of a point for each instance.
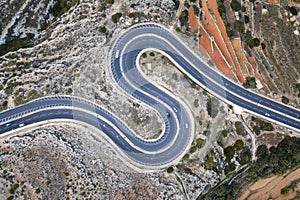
(62, 6)
(200, 142)
(14, 45)
(293, 10)
(209, 161)
(193, 149)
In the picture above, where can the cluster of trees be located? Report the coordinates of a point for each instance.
(274, 161)
(239, 25)
(261, 125)
(249, 40)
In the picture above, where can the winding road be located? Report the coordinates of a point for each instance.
(178, 121)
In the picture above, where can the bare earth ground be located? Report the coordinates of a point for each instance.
(193, 19)
(271, 187)
(69, 161)
(219, 23)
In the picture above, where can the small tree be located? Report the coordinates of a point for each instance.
(235, 5)
(102, 29)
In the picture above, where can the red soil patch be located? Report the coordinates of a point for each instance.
(272, 1)
(271, 187)
(214, 26)
(294, 3)
(193, 19)
(214, 8)
(216, 55)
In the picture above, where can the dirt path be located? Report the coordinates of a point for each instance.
(179, 10)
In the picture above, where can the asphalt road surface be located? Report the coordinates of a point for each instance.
(178, 132)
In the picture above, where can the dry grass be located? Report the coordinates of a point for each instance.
(246, 66)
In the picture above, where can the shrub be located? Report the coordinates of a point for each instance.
(193, 149)
(170, 169)
(229, 153)
(116, 17)
(238, 145)
(293, 10)
(284, 191)
(256, 42)
(102, 29)
(212, 107)
(183, 18)
(247, 19)
(240, 130)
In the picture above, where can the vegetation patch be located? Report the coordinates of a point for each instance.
(274, 161)
(15, 44)
(62, 6)
(261, 125)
